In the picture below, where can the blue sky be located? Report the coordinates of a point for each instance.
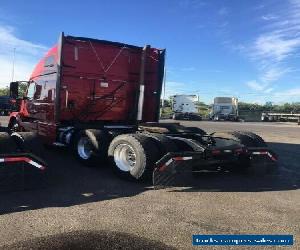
(247, 49)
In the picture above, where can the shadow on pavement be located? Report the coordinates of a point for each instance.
(89, 240)
(286, 177)
(69, 183)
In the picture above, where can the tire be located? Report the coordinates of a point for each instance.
(260, 142)
(29, 142)
(249, 139)
(143, 153)
(13, 125)
(195, 130)
(7, 144)
(195, 118)
(90, 146)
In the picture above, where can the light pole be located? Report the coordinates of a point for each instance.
(13, 65)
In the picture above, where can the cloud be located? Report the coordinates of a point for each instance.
(273, 74)
(9, 40)
(290, 95)
(295, 92)
(282, 38)
(194, 4)
(27, 55)
(255, 85)
(188, 69)
(269, 17)
(173, 88)
(22, 70)
(223, 11)
(259, 7)
(269, 90)
(275, 47)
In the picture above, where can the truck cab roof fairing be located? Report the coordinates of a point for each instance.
(42, 67)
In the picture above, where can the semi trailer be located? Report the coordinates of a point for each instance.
(184, 107)
(280, 117)
(101, 99)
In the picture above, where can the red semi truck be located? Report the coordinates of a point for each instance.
(102, 100)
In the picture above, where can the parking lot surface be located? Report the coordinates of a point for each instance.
(92, 208)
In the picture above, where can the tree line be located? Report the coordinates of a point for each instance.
(270, 107)
(244, 106)
(22, 89)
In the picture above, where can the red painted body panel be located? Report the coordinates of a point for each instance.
(40, 68)
(98, 81)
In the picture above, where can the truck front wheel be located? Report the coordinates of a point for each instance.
(14, 126)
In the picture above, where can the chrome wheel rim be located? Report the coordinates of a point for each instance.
(84, 148)
(125, 157)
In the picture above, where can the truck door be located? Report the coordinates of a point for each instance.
(33, 92)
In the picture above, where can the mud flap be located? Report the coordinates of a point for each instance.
(262, 161)
(21, 172)
(173, 169)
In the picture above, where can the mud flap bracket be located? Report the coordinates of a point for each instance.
(173, 165)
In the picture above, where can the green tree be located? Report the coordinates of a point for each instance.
(22, 90)
(4, 91)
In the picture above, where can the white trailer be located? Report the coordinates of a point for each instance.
(225, 108)
(184, 107)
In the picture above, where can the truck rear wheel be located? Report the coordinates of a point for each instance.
(177, 116)
(90, 146)
(133, 156)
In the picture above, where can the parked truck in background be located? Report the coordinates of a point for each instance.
(7, 104)
(101, 100)
(225, 108)
(184, 107)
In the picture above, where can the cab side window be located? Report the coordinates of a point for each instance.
(38, 91)
(31, 90)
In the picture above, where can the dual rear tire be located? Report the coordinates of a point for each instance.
(131, 156)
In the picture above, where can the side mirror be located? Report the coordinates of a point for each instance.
(14, 90)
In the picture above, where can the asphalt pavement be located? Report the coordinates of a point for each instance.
(90, 208)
